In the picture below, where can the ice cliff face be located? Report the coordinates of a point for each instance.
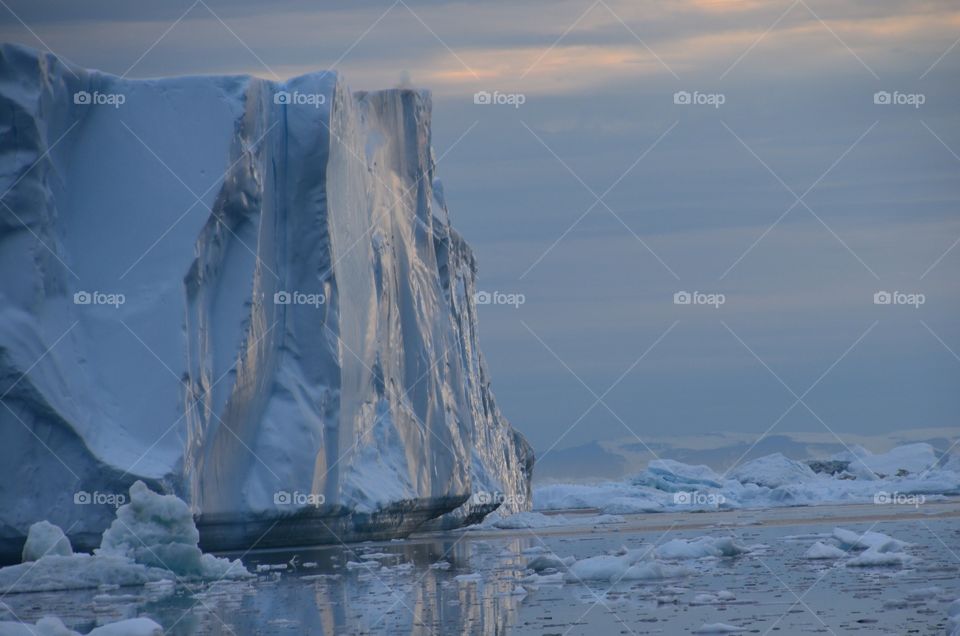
(242, 292)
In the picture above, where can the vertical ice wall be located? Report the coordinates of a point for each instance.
(296, 339)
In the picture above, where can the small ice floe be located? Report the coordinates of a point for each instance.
(882, 556)
(376, 556)
(52, 626)
(549, 562)
(361, 565)
(473, 577)
(821, 550)
(309, 565)
(713, 598)
(626, 565)
(440, 565)
(699, 548)
(879, 550)
(537, 549)
(556, 578)
(717, 628)
(864, 540)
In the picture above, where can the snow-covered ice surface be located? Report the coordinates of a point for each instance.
(682, 573)
(254, 301)
(907, 474)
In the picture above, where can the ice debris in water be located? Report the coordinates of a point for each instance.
(52, 626)
(158, 531)
(153, 538)
(44, 538)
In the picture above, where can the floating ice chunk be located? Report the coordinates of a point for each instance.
(884, 555)
(699, 548)
(549, 562)
(557, 578)
(130, 627)
(52, 626)
(45, 538)
(636, 565)
(821, 550)
(473, 577)
(864, 540)
(717, 628)
(152, 537)
(158, 531)
(773, 471)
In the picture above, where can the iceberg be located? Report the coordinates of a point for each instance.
(905, 475)
(242, 292)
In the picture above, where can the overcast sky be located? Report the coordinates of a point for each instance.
(598, 198)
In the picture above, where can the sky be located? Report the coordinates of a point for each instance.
(785, 160)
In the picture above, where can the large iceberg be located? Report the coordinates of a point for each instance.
(242, 292)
